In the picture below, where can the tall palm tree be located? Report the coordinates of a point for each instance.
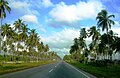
(75, 50)
(5, 30)
(18, 29)
(46, 49)
(104, 20)
(24, 35)
(32, 42)
(40, 50)
(83, 35)
(7, 35)
(94, 32)
(3, 7)
(43, 47)
(37, 43)
(82, 42)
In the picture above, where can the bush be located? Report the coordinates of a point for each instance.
(102, 63)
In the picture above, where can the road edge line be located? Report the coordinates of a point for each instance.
(78, 70)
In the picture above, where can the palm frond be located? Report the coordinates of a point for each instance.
(111, 16)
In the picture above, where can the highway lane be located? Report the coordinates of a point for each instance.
(56, 70)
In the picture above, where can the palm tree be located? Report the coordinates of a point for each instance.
(40, 50)
(5, 30)
(18, 25)
(32, 42)
(112, 40)
(37, 43)
(7, 34)
(10, 42)
(95, 39)
(24, 35)
(4, 48)
(3, 6)
(82, 42)
(104, 20)
(107, 40)
(75, 50)
(42, 47)
(83, 35)
(115, 45)
(46, 49)
(94, 33)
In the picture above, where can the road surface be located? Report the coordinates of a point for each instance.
(56, 70)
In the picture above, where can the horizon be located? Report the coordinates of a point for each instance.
(46, 16)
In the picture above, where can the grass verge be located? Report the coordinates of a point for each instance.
(8, 68)
(100, 72)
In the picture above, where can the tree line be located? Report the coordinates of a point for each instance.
(103, 44)
(20, 43)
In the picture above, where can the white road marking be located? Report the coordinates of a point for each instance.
(57, 65)
(78, 70)
(51, 70)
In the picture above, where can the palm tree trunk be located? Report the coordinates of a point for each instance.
(0, 33)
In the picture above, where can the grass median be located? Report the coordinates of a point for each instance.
(100, 72)
(8, 68)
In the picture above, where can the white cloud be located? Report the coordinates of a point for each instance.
(79, 11)
(30, 18)
(24, 7)
(19, 4)
(61, 41)
(116, 28)
(47, 3)
(64, 38)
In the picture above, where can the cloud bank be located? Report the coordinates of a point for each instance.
(75, 12)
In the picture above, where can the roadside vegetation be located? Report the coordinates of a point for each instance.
(13, 67)
(97, 56)
(20, 46)
(112, 71)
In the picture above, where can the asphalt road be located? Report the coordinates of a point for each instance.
(56, 70)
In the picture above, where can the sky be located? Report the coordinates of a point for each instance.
(58, 22)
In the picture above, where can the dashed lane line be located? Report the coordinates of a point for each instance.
(51, 70)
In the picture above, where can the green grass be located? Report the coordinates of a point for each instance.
(100, 72)
(7, 68)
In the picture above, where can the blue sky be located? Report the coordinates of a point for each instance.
(58, 22)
